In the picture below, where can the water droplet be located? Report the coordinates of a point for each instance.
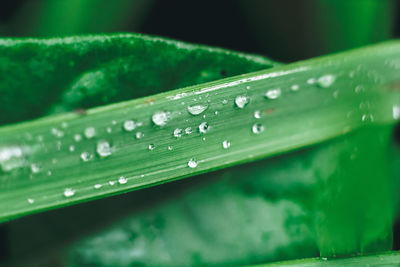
(396, 112)
(335, 94)
(49, 173)
(59, 144)
(204, 139)
(103, 149)
(216, 112)
(326, 81)
(57, 133)
(311, 81)
(97, 186)
(111, 183)
(69, 192)
(188, 130)
(324, 259)
(204, 127)
(86, 156)
(241, 101)
(197, 109)
(257, 128)
(359, 89)
(204, 116)
(77, 137)
(170, 148)
(122, 180)
(114, 122)
(224, 102)
(248, 87)
(295, 88)
(367, 118)
(109, 130)
(273, 93)
(71, 148)
(192, 163)
(257, 114)
(90, 132)
(178, 132)
(31, 200)
(64, 124)
(151, 147)
(11, 158)
(139, 135)
(226, 144)
(54, 161)
(160, 118)
(35, 168)
(129, 125)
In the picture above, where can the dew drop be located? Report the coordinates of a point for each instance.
(77, 137)
(226, 144)
(188, 130)
(86, 156)
(103, 149)
(192, 163)
(129, 125)
(170, 148)
(257, 114)
(326, 81)
(273, 93)
(97, 186)
(151, 147)
(204, 127)
(178, 132)
(241, 101)
(69, 192)
(31, 200)
(35, 168)
(295, 88)
(122, 180)
(90, 132)
(160, 118)
(139, 135)
(197, 109)
(257, 128)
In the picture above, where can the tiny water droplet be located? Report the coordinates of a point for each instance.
(396, 112)
(204, 116)
(151, 147)
(197, 109)
(257, 114)
(257, 128)
(226, 144)
(160, 118)
(248, 87)
(103, 149)
(295, 88)
(86, 156)
(57, 133)
(311, 81)
(241, 101)
(335, 94)
(35, 168)
(90, 132)
(31, 200)
(367, 118)
(49, 173)
(129, 125)
(77, 137)
(139, 135)
(111, 183)
(69, 192)
(192, 163)
(97, 186)
(358, 89)
(170, 148)
(216, 112)
(204, 127)
(71, 148)
(54, 161)
(224, 102)
(324, 259)
(109, 130)
(178, 132)
(273, 93)
(64, 124)
(326, 81)
(114, 122)
(188, 130)
(122, 180)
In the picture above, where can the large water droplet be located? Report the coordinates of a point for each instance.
(103, 149)
(69, 192)
(90, 132)
(129, 125)
(160, 118)
(226, 144)
(273, 93)
(326, 81)
(122, 180)
(241, 101)
(178, 132)
(257, 128)
(197, 109)
(86, 156)
(204, 127)
(192, 163)
(11, 158)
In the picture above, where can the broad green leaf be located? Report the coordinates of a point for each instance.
(388, 259)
